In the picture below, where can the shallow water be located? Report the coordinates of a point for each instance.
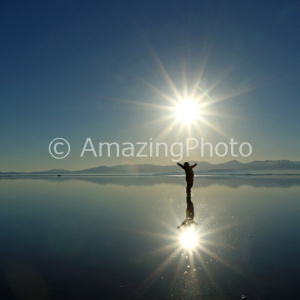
(96, 237)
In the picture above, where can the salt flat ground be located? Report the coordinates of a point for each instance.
(116, 237)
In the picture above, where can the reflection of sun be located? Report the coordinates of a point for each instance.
(193, 246)
(187, 110)
(189, 239)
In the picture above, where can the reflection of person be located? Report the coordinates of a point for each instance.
(189, 174)
(189, 219)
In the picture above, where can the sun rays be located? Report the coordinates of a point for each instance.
(189, 107)
(186, 111)
(187, 252)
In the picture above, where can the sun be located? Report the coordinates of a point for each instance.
(187, 110)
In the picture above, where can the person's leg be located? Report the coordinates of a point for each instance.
(189, 183)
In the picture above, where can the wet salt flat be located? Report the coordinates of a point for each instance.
(116, 237)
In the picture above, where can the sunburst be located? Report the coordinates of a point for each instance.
(192, 245)
(187, 110)
(191, 107)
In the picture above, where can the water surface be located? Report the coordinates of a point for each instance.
(116, 237)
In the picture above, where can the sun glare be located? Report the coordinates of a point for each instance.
(187, 110)
(189, 239)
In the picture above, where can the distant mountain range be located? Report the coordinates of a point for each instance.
(231, 167)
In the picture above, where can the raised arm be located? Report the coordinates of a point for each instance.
(183, 223)
(180, 165)
(194, 165)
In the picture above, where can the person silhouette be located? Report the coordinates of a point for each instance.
(189, 217)
(189, 174)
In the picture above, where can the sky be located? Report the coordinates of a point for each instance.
(114, 71)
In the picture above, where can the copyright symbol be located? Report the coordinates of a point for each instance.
(58, 147)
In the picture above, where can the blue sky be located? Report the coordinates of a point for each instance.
(78, 69)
